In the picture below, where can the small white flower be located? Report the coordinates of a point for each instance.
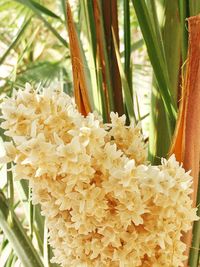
(104, 206)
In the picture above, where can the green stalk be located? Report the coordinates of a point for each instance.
(103, 98)
(31, 214)
(45, 246)
(125, 85)
(159, 134)
(17, 236)
(127, 44)
(184, 13)
(63, 5)
(138, 107)
(10, 186)
(38, 223)
(194, 255)
(171, 33)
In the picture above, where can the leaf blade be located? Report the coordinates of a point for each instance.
(156, 57)
(17, 236)
(16, 40)
(125, 85)
(28, 4)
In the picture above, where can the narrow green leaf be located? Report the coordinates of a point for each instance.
(13, 74)
(184, 14)
(10, 259)
(159, 39)
(44, 10)
(160, 124)
(194, 256)
(15, 41)
(145, 116)
(156, 57)
(63, 5)
(155, 32)
(158, 128)
(42, 71)
(4, 255)
(138, 44)
(138, 106)
(171, 35)
(31, 214)
(38, 225)
(45, 247)
(17, 236)
(127, 44)
(4, 242)
(90, 23)
(103, 100)
(13, 264)
(88, 27)
(28, 4)
(125, 86)
(10, 186)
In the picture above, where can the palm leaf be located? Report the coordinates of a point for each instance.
(17, 236)
(159, 121)
(38, 11)
(127, 44)
(41, 72)
(125, 85)
(42, 9)
(155, 51)
(15, 40)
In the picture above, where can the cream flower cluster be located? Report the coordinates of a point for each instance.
(104, 205)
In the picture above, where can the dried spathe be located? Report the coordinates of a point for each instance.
(105, 206)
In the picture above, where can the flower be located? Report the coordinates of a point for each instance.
(103, 204)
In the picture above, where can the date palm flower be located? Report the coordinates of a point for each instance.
(104, 203)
